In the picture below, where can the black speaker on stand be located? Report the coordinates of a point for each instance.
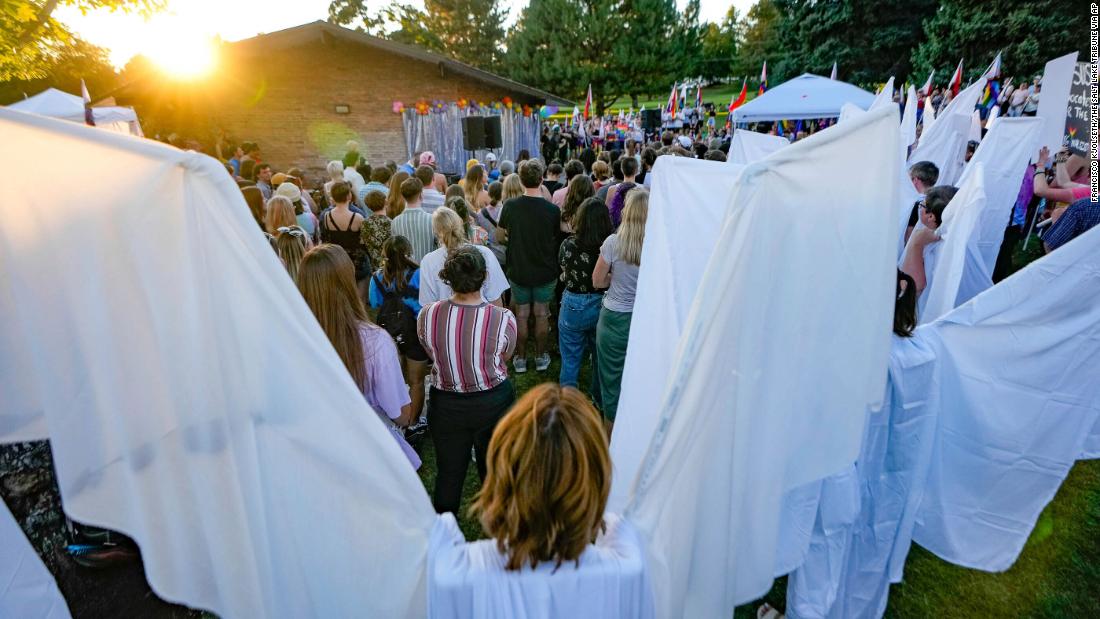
(651, 120)
(473, 132)
(492, 132)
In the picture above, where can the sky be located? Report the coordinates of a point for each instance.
(186, 22)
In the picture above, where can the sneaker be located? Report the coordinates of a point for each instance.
(520, 365)
(542, 362)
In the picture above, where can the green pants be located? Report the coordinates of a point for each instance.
(612, 333)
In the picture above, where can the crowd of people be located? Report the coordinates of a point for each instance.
(470, 278)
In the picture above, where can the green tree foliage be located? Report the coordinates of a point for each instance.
(719, 44)
(33, 42)
(869, 39)
(470, 31)
(78, 60)
(762, 41)
(562, 46)
(1027, 33)
(620, 47)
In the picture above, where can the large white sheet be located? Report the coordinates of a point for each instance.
(944, 141)
(909, 119)
(675, 257)
(27, 589)
(1020, 397)
(748, 369)
(749, 146)
(959, 224)
(192, 400)
(58, 104)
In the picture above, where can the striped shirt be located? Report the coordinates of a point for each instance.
(468, 344)
(415, 224)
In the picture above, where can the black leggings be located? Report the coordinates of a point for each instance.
(459, 421)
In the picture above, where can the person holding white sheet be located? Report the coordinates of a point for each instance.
(920, 252)
(617, 270)
(923, 175)
(553, 551)
(326, 278)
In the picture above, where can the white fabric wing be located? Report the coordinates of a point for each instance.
(27, 589)
(191, 398)
(749, 146)
(884, 96)
(909, 119)
(675, 257)
(1004, 155)
(960, 223)
(943, 142)
(748, 370)
(1019, 399)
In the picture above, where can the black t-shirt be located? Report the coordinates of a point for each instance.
(532, 225)
(552, 186)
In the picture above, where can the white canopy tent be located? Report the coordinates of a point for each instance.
(59, 104)
(806, 96)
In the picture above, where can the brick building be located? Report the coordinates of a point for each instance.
(301, 93)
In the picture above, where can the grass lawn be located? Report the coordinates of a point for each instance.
(1057, 575)
(718, 95)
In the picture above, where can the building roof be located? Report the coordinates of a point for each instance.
(321, 30)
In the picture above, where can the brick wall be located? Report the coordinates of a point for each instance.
(285, 101)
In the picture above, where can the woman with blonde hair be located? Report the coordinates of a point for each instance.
(451, 235)
(601, 171)
(617, 270)
(395, 204)
(326, 279)
(292, 245)
(553, 551)
(474, 233)
(548, 478)
(473, 186)
(335, 172)
(513, 188)
(280, 214)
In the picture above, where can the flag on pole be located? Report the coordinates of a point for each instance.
(993, 83)
(832, 75)
(927, 88)
(89, 118)
(738, 102)
(763, 79)
(683, 94)
(956, 80)
(670, 107)
(588, 103)
(698, 97)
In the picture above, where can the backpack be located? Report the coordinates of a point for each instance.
(397, 318)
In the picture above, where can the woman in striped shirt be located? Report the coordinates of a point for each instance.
(469, 342)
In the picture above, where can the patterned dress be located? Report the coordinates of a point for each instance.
(376, 230)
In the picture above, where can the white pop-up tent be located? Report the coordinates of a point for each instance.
(59, 104)
(806, 96)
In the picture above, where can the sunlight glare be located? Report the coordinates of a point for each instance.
(181, 52)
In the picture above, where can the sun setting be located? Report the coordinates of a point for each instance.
(181, 53)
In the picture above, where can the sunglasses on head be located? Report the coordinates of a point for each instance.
(295, 232)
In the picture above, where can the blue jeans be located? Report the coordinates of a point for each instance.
(577, 336)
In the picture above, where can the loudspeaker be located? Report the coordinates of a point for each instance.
(492, 132)
(473, 133)
(651, 120)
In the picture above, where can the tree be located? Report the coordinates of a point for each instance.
(79, 60)
(869, 39)
(562, 46)
(655, 46)
(469, 31)
(720, 46)
(1027, 33)
(761, 40)
(32, 40)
